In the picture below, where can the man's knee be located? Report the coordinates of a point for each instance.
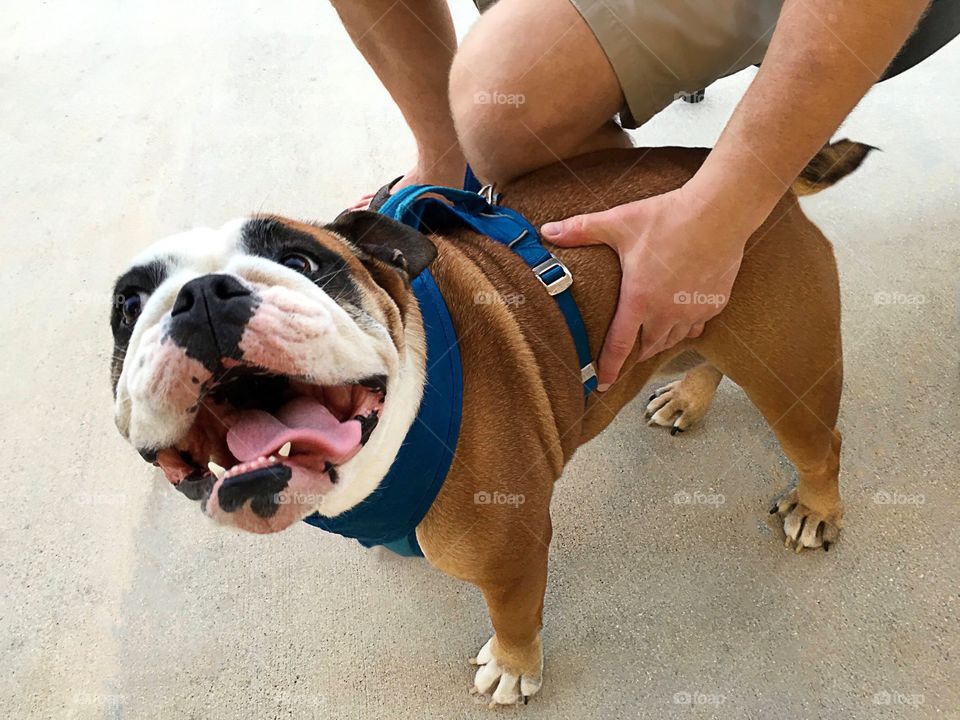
(529, 84)
(495, 123)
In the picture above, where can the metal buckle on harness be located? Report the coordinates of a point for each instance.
(588, 372)
(554, 275)
(489, 193)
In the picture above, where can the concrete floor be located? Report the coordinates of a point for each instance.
(122, 122)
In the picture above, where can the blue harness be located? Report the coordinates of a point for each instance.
(390, 515)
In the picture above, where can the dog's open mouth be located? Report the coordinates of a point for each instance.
(257, 435)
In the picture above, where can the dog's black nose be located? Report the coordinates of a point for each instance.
(209, 316)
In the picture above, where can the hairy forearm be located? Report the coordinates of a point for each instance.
(823, 58)
(410, 46)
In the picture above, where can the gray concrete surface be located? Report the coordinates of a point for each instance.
(122, 122)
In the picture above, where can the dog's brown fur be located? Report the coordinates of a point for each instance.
(523, 406)
(523, 409)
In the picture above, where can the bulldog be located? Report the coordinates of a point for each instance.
(272, 369)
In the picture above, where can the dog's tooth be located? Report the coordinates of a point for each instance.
(218, 471)
(272, 459)
(285, 450)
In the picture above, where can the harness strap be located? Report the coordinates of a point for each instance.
(508, 227)
(390, 515)
(470, 182)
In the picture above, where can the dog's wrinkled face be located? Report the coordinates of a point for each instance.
(271, 368)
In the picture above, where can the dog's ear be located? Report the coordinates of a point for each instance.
(386, 240)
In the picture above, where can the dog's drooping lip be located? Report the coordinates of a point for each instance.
(258, 433)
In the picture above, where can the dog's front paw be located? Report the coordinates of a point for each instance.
(511, 682)
(805, 527)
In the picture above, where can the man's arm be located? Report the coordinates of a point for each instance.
(823, 57)
(410, 47)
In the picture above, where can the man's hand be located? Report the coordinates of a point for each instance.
(823, 57)
(448, 170)
(679, 255)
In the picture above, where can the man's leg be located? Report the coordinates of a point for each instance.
(531, 85)
(410, 47)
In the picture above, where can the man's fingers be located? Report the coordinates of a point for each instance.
(653, 339)
(576, 230)
(678, 333)
(696, 331)
(362, 204)
(621, 337)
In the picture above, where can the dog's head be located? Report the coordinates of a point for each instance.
(271, 368)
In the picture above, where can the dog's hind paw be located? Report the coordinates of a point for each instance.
(803, 527)
(508, 688)
(677, 407)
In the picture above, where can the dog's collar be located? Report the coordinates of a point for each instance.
(391, 514)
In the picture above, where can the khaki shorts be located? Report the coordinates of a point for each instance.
(662, 48)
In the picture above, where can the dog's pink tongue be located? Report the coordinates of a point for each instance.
(305, 422)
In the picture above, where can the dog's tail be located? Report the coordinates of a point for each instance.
(833, 163)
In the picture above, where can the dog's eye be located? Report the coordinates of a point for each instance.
(131, 303)
(299, 262)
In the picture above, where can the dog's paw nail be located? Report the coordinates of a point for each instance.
(526, 699)
(674, 430)
(773, 510)
(826, 546)
(652, 398)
